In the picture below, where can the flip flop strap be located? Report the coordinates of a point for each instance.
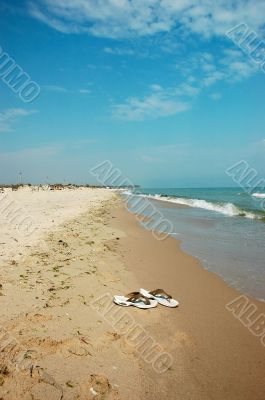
(134, 296)
(161, 293)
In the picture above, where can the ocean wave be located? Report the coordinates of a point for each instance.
(228, 209)
(259, 195)
(127, 193)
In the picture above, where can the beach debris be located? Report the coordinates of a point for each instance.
(62, 243)
(99, 386)
(83, 299)
(28, 354)
(44, 377)
(94, 393)
(78, 350)
(64, 303)
(113, 336)
(83, 339)
(57, 268)
(66, 287)
(4, 370)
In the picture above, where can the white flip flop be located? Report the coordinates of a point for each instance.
(160, 296)
(135, 299)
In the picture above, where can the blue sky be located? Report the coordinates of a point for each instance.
(156, 87)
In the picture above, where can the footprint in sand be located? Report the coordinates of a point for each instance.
(97, 387)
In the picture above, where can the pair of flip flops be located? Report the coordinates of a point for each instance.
(146, 299)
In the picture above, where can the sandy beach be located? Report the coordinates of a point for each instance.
(63, 338)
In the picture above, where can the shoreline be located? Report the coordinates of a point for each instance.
(139, 218)
(223, 348)
(235, 267)
(57, 307)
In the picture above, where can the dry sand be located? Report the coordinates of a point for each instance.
(61, 337)
(27, 214)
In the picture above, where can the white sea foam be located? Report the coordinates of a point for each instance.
(228, 209)
(127, 193)
(259, 195)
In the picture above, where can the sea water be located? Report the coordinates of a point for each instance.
(223, 227)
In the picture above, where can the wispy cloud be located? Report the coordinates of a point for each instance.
(225, 65)
(55, 88)
(169, 23)
(201, 71)
(119, 51)
(84, 91)
(186, 89)
(61, 89)
(215, 96)
(159, 103)
(10, 116)
(132, 18)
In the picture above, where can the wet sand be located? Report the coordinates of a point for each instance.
(215, 355)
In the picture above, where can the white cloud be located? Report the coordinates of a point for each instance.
(213, 77)
(119, 51)
(160, 103)
(84, 91)
(55, 88)
(185, 89)
(236, 65)
(10, 116)
(242, 69)
(61, 89)
(207, 69)
(201, 71)
(132, 18)
(215, 96)
(156, 88)
(174, 20)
